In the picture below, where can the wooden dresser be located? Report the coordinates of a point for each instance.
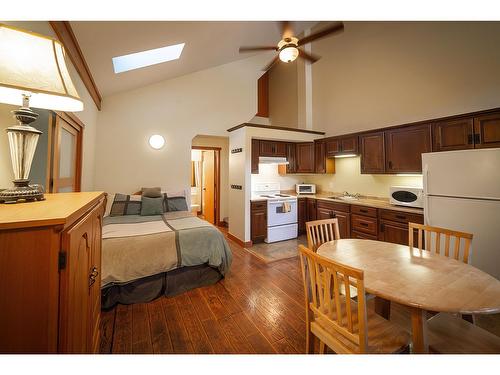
(50, 262)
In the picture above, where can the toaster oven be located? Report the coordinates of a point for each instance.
(305, 188)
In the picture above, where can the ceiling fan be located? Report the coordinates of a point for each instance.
(289, 45)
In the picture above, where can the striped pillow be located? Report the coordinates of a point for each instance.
(126, 205)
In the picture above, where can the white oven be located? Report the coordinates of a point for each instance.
(281, 219)
(407, 196)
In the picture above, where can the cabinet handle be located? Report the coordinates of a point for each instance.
(332, 215)
(401, 217)
(469, 139)
(382, 227)
(93, 276)
(364, 211)
(390, 164)
(364, 224)
(477, 139)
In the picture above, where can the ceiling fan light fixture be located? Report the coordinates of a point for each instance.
(289, 53)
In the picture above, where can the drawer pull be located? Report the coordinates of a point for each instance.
(402, 217)
(364, 211)
(363, 224)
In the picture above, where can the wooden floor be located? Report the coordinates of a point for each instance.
(257, 308)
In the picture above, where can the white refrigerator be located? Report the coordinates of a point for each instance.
(462, 192)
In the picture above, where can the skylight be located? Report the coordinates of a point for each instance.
(146, 58)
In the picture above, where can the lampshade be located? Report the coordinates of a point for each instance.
(34, 64)
(289, 54)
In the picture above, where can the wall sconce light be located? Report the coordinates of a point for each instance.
(156, 141)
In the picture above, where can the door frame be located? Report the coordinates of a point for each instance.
(217, 151)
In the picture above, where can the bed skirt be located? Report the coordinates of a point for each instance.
(164, 284)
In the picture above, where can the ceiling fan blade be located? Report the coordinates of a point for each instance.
(286, 29)
(308, 56)
(338, 27)
(271, 64)
(258, 48)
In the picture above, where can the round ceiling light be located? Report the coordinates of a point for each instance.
(156, 141)
(289, 54)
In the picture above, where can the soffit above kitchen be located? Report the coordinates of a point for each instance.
(207, 44)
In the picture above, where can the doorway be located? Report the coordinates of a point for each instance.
(205, 182)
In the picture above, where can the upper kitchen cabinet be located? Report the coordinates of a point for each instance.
(291, 167)
(372, 148)
(404, 148)
(305, 157)
(272, 148)
(342, 145)
(255, 155)
(487, 131)
(453, 135)
(321, 163)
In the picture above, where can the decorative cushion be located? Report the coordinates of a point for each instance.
(154, 192)
(152, 206)
(125, 205)
(176, 204)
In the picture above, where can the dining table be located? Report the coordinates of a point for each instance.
(419, 279)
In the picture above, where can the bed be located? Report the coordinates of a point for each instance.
(144, 257)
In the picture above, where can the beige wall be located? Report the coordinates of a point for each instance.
(88, 117)
(283, 95)
(223, 143)
(378, 74)
(209, 102)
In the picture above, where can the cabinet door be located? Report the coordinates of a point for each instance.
(258, 221)
(302, 214)
(280, 149)
(255, 155)
(267, 148)
(320, 157)
(404, 148)
(305, 157)
(453, 135)
(349, 145)
(344, 224)
(95, 283)
(74, 287)
(487, 131)
(324, 213)
(311, 209)
(393, 232)
(372, 153)
(332, 147)
(290, 156)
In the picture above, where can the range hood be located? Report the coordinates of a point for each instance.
(272, 160)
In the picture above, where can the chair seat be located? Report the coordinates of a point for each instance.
(449, 334)
(384, 337)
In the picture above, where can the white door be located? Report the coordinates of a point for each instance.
(479, 217)
(468, 173)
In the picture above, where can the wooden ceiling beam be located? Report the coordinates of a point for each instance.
(67, 37)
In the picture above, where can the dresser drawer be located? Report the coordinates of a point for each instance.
(364, 224)
(402, 217)
(363, 210)
(258, 205)
(334, 206)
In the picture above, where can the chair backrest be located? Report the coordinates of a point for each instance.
(333, 311)
(321, 231)
(441, 243)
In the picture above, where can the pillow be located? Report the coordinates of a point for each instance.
(154, 192)
(125, 205)
(152, 206)
(176, 204)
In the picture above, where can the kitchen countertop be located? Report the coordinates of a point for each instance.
(374, 202)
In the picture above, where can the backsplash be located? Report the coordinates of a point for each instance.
(269, 173)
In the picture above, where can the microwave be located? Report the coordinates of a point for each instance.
(407, 196)
(305, 188)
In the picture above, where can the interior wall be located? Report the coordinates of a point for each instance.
(223, 143)
(269, 173)
(88, 116)
(378, 74)
(213, 100)
(347, 177)
(283, 95)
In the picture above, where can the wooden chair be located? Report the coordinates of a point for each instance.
(337, 321)
(321, 231)
(436, 244)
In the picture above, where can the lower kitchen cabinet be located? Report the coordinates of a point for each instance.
(302, 215)
(329, 210)
(311, 209)
(258, 221)
(394, 226)
(363, 236)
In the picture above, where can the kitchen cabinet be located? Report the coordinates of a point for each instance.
(272, 148)
(372, 148)
(322, 165)
(311, 209)
(290, 156)
(394, 226)
(329, 210)
(302, 215)
(342, 145)
(258, 221)
(404, 148)
(255, 155)
(305, 157)
(487, 131)
(453, 135)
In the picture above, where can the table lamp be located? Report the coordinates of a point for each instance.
(33, 72)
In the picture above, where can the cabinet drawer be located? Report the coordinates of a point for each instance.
(335, 206)
(363, 210)
(402, 217)
(259, 205)
(363, 236)
(364, 224)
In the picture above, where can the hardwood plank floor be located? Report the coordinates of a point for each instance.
(257, 308)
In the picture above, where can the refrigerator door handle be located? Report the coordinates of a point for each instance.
(426, 179)
(426, 210)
